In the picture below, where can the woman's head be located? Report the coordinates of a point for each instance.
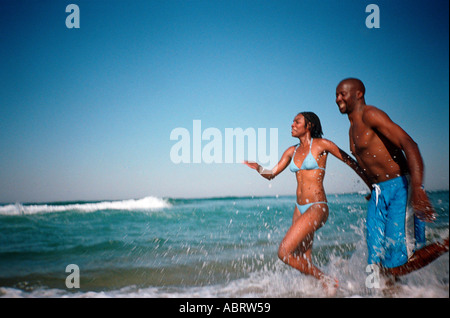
(312, 122)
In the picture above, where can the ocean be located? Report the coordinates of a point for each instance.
(183, 248)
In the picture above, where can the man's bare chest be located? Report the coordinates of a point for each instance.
(361, 138)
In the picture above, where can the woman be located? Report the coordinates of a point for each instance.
(307, 160)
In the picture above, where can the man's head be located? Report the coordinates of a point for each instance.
(349, 93)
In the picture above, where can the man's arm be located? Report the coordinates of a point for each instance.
(380, 121)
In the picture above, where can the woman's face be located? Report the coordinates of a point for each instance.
(298, 126)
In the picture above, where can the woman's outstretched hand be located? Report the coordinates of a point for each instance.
(252, 165)
(265, 173)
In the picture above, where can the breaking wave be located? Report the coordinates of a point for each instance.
(144, 204)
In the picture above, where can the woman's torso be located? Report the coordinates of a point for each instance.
(308, 162)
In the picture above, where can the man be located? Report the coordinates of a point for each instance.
(393, 163)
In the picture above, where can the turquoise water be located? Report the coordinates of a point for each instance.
(218, 247)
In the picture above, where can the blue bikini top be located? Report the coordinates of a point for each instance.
(309, 163)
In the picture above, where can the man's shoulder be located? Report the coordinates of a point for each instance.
(372, 114)
(371, 110)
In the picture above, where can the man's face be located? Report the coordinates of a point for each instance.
(345, 97)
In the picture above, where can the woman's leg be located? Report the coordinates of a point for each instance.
(295, 249)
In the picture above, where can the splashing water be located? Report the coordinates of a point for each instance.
(221, 247)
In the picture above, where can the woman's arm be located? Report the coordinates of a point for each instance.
(282, 164)
(344, 157)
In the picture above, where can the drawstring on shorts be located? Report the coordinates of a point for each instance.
(377, 192)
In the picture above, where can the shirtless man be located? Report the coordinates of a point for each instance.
(392, 162)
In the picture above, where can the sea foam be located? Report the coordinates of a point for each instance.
(144, 204)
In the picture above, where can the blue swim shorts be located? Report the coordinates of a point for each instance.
(393, 231)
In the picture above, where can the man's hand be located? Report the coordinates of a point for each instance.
(422, 205)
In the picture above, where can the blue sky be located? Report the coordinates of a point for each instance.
(86, 114)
